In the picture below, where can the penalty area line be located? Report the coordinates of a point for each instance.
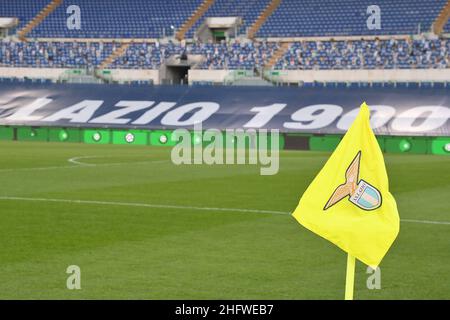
(180, 207)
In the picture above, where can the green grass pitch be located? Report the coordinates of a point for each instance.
(127, 247)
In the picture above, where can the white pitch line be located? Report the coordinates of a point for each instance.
(166, 206)
(140, 204)
(74, 160)
(425, 221)
(38, 168)
(82, 165)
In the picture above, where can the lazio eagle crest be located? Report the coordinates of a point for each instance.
(359, 192)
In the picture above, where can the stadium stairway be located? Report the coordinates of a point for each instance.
(442, 18)
(273, 5)
(197, 14)
(114, 55)
(277, 55)
(38, 18)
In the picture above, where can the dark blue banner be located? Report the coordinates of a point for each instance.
(395, 111)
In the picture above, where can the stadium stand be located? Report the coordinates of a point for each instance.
(189, 23)
(53, 54)
(358, 54)
(231, 56)
(234, 55)
(42, 15)
(444, 19)
(385, 54)
(119, 19)
(129, 35)
(295, 18)
(25, 10)
(248, 10)
(265, 14)
(290, 18)
(139, 55)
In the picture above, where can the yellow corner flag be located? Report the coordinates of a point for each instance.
(349, 203)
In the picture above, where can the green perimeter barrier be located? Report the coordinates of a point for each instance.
(324, 143)
(389, 144)
(296, 141)
(6, 133)
(32, 134)
(440, 145)
(281, 141)
(65, 135)
(330, 142)
(417, 145)
(381, 142)
(97, 136)
(132, 137)
(194, 136)
(231, 140)
(161, 138)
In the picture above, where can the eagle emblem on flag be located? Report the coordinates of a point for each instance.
(359, 192)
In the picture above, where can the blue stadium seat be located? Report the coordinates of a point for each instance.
(295, 18)
(24, 10)
(118, 19)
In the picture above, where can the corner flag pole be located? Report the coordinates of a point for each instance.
(350, 277)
